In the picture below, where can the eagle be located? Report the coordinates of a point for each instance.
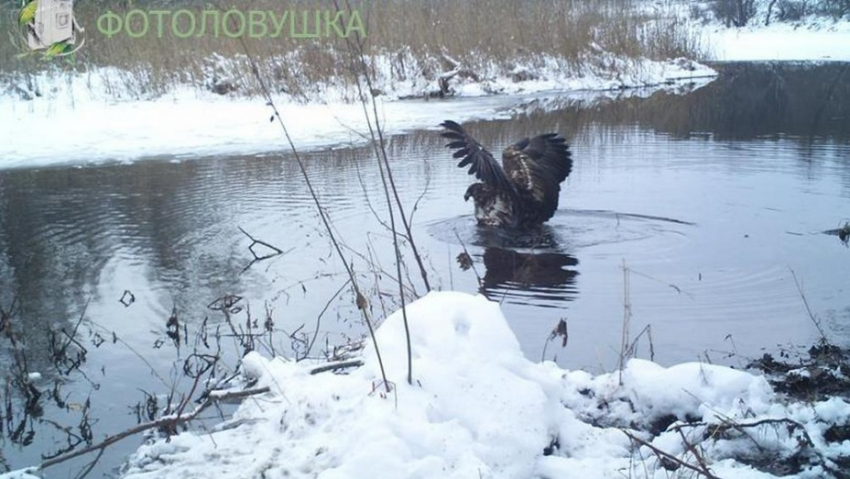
(522, 192)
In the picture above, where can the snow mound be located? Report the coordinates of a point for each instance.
(478, 408)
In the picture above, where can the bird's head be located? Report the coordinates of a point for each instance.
(472, 191)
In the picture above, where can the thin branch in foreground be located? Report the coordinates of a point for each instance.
(377, 135)
(337, 365)
(360, 300)
(167, 423)
(627, 316)
(319, 318)
(666, 455)
(465, 261)
(559, 330)
(812, 316)
(693, 450)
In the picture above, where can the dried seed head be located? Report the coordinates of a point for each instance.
(464, 260)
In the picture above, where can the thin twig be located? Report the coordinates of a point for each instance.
(351, 363)
(319, 318)
(669, 456)
(627, 315)
(360, 300)
(386, 178)
(692, 449)
(472, 265)
(168, 422)
(806, 304)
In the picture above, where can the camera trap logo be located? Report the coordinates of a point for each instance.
(49, 27)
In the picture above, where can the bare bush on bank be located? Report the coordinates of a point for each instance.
(406, 41)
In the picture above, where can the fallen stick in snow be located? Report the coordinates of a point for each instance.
(164, 422)
(171, 421)
(670, 457)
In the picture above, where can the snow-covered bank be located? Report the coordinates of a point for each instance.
(80, 124)
(788, 30)
(780, 42)
(479, 408)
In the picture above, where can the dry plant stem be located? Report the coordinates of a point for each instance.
(351, 363)
(359, 298)
(375, 265)
(130, 348)
(693, 450)
(319, 318)
(806, 304)
(380, 146)
(85, 472)
(627, 314)
(728, 423)
(73, 333)
(667, 455)
(474, 270)
(386, 176)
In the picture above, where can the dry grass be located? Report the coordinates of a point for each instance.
(406, 39)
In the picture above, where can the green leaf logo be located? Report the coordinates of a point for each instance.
(57, 49)
(28, 13)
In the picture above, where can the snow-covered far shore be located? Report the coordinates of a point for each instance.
(479, 408)
(93, 118)
(81, 125)
(812, 41)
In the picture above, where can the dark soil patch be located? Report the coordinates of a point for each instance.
(823, 373)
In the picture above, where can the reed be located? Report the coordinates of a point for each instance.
(406, 40)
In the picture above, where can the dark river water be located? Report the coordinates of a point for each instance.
(714, 202)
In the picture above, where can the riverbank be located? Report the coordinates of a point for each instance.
(149, 82)
(478, 408)
(124, 111)
(815, 40)
(97, 128)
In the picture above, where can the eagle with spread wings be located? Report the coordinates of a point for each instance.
(523, 191)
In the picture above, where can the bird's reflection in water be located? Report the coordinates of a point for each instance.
(527, 267)
(541, 237)
(544, 279)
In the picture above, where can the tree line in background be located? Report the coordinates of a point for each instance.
(739, 13)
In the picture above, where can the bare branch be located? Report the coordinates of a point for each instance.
(167, 423)
(668, 456)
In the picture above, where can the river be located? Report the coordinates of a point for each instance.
(704, 218)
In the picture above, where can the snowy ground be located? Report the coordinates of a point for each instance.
(818, 41)
(478, 408)
(86, 123)
(87, 127)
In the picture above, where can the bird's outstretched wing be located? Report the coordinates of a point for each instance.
(480, 161)
(536, 167)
